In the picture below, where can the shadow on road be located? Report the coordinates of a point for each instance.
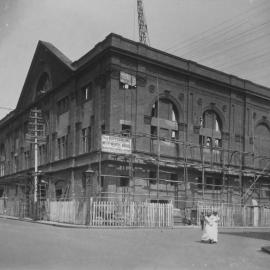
(256, 235)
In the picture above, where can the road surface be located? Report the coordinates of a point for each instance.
(26, 245)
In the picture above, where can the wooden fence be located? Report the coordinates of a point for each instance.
(73, 212)
(138, 214)
(232, 215)
(14, 208)
(112, 213)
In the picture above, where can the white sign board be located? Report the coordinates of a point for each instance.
(128, 79)
(115, 144)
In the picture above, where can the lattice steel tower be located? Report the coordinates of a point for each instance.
(143, 32)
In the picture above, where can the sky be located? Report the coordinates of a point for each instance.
(229, 35)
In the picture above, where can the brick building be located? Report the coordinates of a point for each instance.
(196, 133)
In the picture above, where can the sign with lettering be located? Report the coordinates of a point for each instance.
(116, 144)
(127, 79)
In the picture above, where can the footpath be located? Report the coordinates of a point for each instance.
(79, 226)
(184, 227)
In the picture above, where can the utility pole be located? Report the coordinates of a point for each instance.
(158, 134)
(36, 156)
(36, 134)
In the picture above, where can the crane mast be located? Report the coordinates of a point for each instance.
(143, 32)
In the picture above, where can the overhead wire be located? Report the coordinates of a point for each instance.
(264, 75)
(246, 60)
(230, 48)
(210, 30)
(251, 36)
(6, 108)
(263, 65)
(214, 36)
(240, 56)
(236, 37)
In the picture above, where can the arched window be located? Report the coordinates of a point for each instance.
(2, 152)
(211, 128)
(2, 159)
(60, 187)
(44, 83)
(262, 143)
(164, 109)
(167, 110)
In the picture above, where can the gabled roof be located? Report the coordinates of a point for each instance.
(43, 50)
(119, 44)
(63, 58)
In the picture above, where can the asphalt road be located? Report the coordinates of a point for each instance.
(26, 245)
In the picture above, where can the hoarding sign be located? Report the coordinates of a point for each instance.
(127, 79)
(115, 144)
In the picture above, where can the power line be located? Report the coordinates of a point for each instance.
(246, 60)
(230, 48)
(235, 59)
(262, 69)
(235, 37)
(6, 108)
(264, 75)
(213, 35)
(195, 37)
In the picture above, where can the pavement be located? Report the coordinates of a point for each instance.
(78, 226)
(31, 245)
(266, 249)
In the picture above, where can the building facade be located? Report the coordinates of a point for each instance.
(196, 134)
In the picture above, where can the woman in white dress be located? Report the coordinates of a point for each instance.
(207, 230)
(215, 219)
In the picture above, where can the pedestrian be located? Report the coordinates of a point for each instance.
(207, 235)
(202, 220)
(215, 219)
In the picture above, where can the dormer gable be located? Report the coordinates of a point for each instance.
(49, 69)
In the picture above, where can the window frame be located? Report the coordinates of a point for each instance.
(63, 105)
(86, 93)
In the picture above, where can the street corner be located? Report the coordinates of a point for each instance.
(266, 249)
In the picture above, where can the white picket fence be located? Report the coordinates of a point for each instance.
(112, 213)
(134, 214)
(265, 216)
(138, 214)
(232, 215)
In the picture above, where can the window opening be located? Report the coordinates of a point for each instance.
(211, 127)
(124, 181)
(59, 190)
(89, 138)
(152, 177)
(174, 179)
(43, 84)
(84, 140)
(103, 131)
(126, 130)
(63, 105)
(164, 109)
(127, 81)
(87, 93)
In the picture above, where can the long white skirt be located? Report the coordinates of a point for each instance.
(215, 232)
(207, 233)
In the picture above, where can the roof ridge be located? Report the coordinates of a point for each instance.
(57, 53)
